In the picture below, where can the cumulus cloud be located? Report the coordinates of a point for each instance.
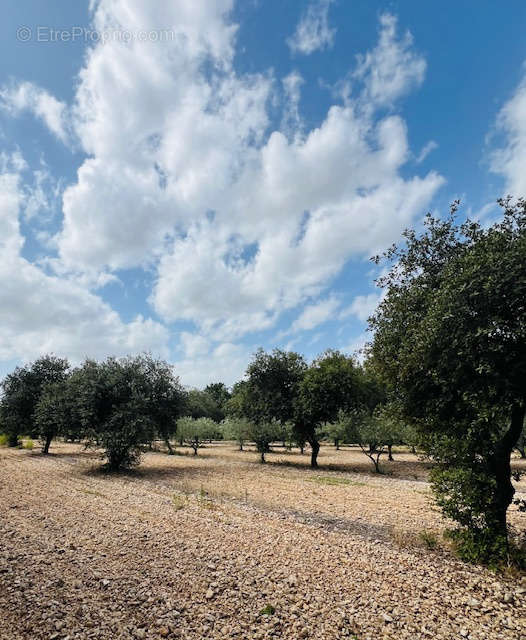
(313, 32)
(226, 362)
(510, 159)
(392, 68)
(184, 174)
(314, 315)
(41, 313)
(362, 306)
(27, 96)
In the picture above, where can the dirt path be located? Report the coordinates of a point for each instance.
(198, 548)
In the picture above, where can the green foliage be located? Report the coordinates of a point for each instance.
(263, 434)
(450, 341)
(202, 404)
(272, 387)
(334, 481)
(119, 405)
(344, 428)
(52, 413)
(238, 429)
(220, 395)
(21, 391)
(194, 431)
(329, 386)
(179, 501)
(465, 495)
(268, 398)
(28, 444)
(268, 610)
(4, 439)
(237, 405)
(484, 547)
(429, 539)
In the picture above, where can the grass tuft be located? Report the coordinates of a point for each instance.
(268, 610)
(335, 481)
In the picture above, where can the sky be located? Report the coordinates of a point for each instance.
(198, 179)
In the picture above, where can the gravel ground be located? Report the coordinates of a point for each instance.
(220, 547)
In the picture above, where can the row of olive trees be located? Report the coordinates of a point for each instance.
(121, 405)
(284, 398)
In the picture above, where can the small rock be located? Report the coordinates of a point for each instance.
(209, 594)
(508, 597)
(464, 633)
(386, 618)
(139, 633)
(292, 580)
(473, 603)
(59, 624)
(164, 632)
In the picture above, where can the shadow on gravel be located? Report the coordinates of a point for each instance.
(417, 470)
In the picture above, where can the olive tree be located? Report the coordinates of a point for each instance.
(269, 396)
(238, 429)
(450, 340)
(194, 431)
(21, 391)
(331, 384)
(119, 404)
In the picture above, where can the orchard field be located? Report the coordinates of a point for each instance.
(220, 546)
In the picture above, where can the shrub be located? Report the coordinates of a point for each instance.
(4, 438)
(429, 539)
(28, 444)
(484, 547)
(268, 610)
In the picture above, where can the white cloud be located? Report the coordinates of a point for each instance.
(226, 363)
(392, 68)
(315, 314)
(194, 344)
(313, 32)
(425, 151)
(41, 313)
(510, 160)
(184, 175)
(362, 306)
(292, 123)
(26, 96)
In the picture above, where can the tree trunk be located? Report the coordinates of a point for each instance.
(47, 442)
(315, 446)
(263, 457)
(169, 445)
(500, 465)
(302, 449)
(241, 445)
(337, 444)
(390, 452)
(12, 440)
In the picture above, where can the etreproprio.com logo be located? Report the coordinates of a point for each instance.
(47, 34)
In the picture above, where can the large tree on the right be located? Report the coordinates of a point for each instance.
(450, 341)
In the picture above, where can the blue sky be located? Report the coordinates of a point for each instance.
(200, 179)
